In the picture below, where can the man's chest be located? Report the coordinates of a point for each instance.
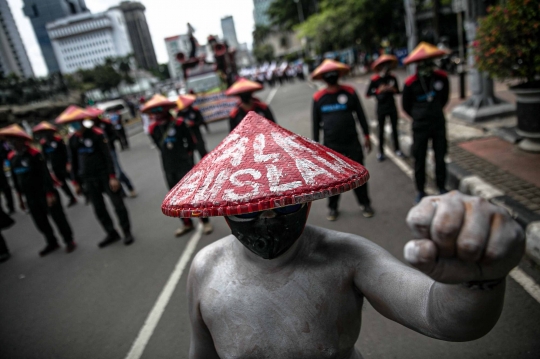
(306, 316)
(23, 166)
(335, 103)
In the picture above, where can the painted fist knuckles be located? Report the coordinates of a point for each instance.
(460, 238)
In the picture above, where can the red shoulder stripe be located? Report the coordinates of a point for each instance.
(441, 73)
(179, 121)
(42, 142)
(195, 108)
(375, 77)
(10, 155)
(349, 89)
(97, 131)
(317, 95)
(411, 79)
(58, 138)
(33, 151)
(233, 112)
(261, 105)
(152, 128)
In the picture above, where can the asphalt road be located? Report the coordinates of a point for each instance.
(93, 303)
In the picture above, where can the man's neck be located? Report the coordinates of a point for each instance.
(332, 88)
(247, 106)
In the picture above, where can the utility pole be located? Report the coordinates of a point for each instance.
(482, 105)
(435, 22)
(410, 26)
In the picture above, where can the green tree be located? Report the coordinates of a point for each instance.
(342, 23)
(285, 14)
(106, 77)
(260, 34)
(162, 72)
(263, 53)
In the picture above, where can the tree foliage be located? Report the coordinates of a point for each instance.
(263, 53)
(284, 14)
(507, 41)
(260, 34)
(342, 23)
(162, 72)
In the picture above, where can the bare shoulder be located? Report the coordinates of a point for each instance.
(209, 259)
(346, 246)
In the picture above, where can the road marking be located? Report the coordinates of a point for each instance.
(522, 278)
(526, 282)
(153, 318)
(271, 95)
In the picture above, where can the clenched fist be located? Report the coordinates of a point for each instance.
(461, 239)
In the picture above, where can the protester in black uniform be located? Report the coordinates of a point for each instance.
(244, 89)
(117, 122)
(194, 120)
(334, 108)
(424, 96)
(106, 126)
(33, 180)
(384, 86)
(93, 168)
(5, 188)
(175, 142)
(55, 152)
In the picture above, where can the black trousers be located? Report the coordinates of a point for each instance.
(6, 190)
(200, 145)
(172, 178)
(421, 137)
(62, 176)
(381, 117)
(123, 138)
(361, 192)
(95, 188)
(39, 210)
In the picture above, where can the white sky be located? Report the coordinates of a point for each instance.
(165, 18)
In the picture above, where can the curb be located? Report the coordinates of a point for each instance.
(468, 183)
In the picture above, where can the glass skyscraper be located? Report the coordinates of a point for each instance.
(41, 12)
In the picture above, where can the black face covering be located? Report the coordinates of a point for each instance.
(245, 97)
(331, 78)
(270, 237)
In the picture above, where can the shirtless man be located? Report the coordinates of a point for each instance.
(277, 288)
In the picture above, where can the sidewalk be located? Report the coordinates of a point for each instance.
(483, 160)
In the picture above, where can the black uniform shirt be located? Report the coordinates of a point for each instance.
(385, 100)
(238, 113)
(333, 111)
(193, 117)
(55, 151)
(109, 132)
(90, 155)
(175, 144)
(424, 99)
(30, 173)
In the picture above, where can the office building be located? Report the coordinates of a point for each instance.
(13, 57)
(139, 34)
(41, 12)
(85, 40)
(229, 31)
(259, 12)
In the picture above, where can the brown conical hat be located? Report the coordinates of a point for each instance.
(44, 126)
(243, 85)
(73, 113)
(424, 51)
(329, 66)
(184, 101)
(158, 101)
(261, 166)
(15, 131)
(385, 59)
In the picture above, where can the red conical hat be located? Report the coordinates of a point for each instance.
(243, 85)
(184, 101)
(94, 111)
(424, 51)
(385, 59)
(157, 101)
(260, 166)
(329, 66)
(15, 131)
(73, 113)
(44, 126)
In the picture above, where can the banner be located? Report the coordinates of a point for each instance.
(215, 106)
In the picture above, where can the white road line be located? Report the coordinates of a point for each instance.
(526, 282)
(153, 318)
(517, 274)
(271, 95)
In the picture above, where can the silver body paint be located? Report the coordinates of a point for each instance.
(307, 303)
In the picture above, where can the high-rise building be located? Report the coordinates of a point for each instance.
(86, 40)
(13, 57)
(41, 12)
(139, 34)
(259, 12)
(229, 31)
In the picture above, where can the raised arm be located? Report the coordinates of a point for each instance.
(468, 247)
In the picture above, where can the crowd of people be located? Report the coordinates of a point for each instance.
(273, 73)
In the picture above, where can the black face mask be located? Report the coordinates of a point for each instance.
(331, 78)
(269, 238)
(245, 98)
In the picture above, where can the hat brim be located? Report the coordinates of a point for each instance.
(388, 61)
(341, 71)
(424, 57)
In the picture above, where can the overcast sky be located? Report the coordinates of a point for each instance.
(165, 18)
